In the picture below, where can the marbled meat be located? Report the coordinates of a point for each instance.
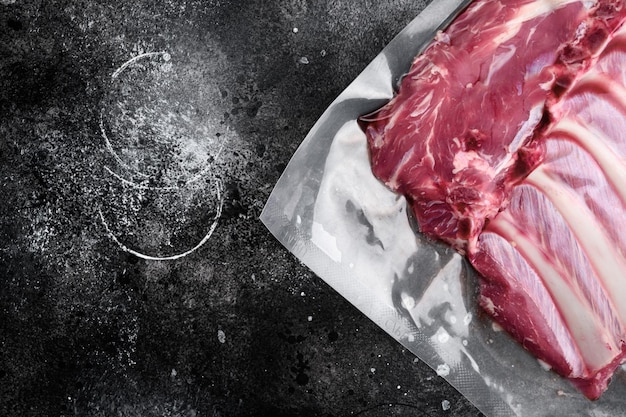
(507, 138)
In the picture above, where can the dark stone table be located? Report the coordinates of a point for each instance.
(157, 129)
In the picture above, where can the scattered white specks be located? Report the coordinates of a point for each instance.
(411, 338)
(398, 387)
(323, 52)
(294, 30)
(416, 360)
(304, 60)
(443, 370)
(465, 342)
(310, 318)
(445, 405)
(467, 319)
(173, 373)
(166, 56)
(221, 336)
(302, 294)
(173, 257)
(373, 370)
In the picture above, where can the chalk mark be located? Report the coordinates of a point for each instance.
(205, 239)
(116, 74)
(118, 158)
(135, 59)
(120, 161)
(191, 180)
(109, 147)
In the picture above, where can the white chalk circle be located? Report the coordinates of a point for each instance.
(163, 143)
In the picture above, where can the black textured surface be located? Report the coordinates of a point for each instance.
(92, 151)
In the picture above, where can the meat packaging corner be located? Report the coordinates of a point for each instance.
(332, 213)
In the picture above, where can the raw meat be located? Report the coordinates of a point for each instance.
(505, 137)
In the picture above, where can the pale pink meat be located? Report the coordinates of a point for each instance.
(507, 138)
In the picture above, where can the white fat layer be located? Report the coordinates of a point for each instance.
(526, 129)
(499, 60)
(528, 12)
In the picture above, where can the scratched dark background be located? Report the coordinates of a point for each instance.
(107, 161)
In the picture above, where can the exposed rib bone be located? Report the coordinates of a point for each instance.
(595, 343)
(601, 252)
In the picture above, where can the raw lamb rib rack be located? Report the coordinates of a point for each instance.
(508, 138)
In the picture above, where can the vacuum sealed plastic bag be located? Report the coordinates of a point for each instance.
(357, 235)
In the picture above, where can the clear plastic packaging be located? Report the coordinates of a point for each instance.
(330, 212)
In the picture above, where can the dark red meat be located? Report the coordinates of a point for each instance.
(506, 138)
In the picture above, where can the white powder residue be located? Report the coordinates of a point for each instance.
(445, 405)
(221, 336)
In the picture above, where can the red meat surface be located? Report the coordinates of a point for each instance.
(508, 138)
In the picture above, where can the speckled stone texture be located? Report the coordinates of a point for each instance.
(157, 129)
